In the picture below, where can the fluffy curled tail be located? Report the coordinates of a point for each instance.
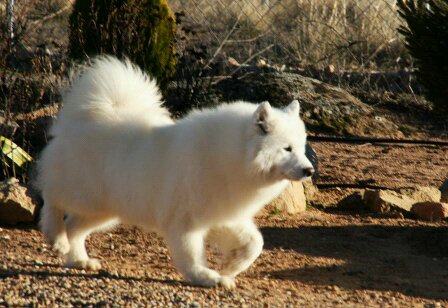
(111, 91)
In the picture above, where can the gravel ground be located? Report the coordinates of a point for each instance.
(320, 258)
(317, 259)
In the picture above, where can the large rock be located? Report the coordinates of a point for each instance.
(430, 211)
(16, 203)
(291, 201)
(310, 189)
(385, 201)
(444, 192)
(422, 193)
(325, 107)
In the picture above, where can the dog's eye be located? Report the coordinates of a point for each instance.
(288, 149)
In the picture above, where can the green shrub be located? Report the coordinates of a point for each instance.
(142, 30)
(426, 36)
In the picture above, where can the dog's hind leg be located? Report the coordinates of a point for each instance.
(240, 244)
(187, 250)
(78, 228)
(53, 226)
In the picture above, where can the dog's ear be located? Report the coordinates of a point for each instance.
(262, 117)
(293, 108)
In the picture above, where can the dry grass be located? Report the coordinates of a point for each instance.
(345, 33)
(31, 73)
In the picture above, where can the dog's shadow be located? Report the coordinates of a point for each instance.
(408, 260)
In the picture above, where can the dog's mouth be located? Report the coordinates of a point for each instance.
(296, 176)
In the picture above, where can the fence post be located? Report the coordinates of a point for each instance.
(10, 19)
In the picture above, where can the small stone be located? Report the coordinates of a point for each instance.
(261, 63)
(385, 201)
(430, 211)
(16, 203)
(330, 69)
(233, 62)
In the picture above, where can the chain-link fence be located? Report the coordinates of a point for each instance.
(344, 34)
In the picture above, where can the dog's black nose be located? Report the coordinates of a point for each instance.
(308, 172)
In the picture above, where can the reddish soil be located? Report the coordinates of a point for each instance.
(385, 165)
(319, 258)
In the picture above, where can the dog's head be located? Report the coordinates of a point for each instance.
(278, 140)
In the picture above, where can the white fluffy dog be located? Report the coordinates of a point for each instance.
(117, 156)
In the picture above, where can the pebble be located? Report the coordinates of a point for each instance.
(121, 284)
(195, 304)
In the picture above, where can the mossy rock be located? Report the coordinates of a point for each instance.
(325, 108)
(141, 30)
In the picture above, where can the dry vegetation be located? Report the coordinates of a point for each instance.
(348, 33)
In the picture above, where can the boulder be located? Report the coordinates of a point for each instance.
(291, 201)
(16, 203)
(385, 201)
(353, 202)
(430, 211)
(310, 190)
(444, 192)
(325, 107)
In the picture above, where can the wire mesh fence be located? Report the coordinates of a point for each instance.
(341, 34)
(345, 34)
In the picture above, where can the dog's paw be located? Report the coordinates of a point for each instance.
(204, 277)
(227, 282)
(89, 264)
(61, 246)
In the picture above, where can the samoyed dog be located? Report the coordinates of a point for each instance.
(116, 156)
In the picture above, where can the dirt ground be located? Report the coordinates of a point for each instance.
(321, 258)
(384, 165)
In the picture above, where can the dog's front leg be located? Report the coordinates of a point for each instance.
(187, 249)
(241, 243)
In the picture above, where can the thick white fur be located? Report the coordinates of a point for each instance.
(116, 155)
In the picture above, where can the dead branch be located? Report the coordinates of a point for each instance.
(53, 15)
(223, 42)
